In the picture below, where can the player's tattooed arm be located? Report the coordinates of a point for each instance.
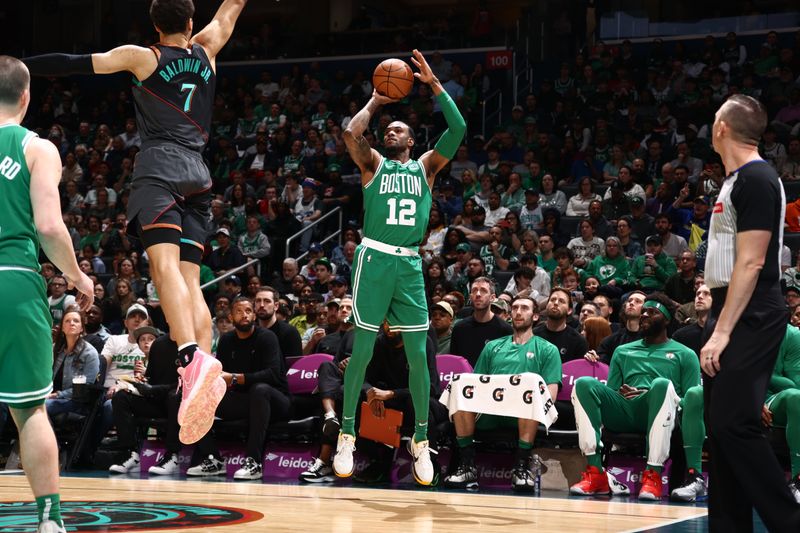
(362, 153)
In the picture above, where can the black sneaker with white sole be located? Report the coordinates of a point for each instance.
(250, 470)
(318, 472)
(464, 477)
(794, 486)
(166, 467)
(693, 489)
(211, 466)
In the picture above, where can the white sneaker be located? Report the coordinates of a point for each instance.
(422, 468)
(132, 463)
(343, 460)
(618, 488)
(692, 490)
(48, 526)
(167, 467)
(250, 470)
(210, 466)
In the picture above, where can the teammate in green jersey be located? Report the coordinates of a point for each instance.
(387, 273)
(646, 381)
(30, 216)
(514, 354)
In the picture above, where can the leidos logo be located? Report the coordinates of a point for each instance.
(304, 374)
(449, 377)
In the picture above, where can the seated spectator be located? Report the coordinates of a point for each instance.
(545, 258)
(514, 197)
(59, 301)
(126, 270)
(329, 322)
(122, 351)
(257, 391)
(309, 313)
(555, 329)
(646, 382)
(501, 356)
(266, 303)
(587, 246)
(652, 270)
(630, 315)
(611, 268)
(96, 333)
(324, 275)
(595, 329)
(692, 224)
(227, 256)
(578, 205)
(498, 254)
(495, 212)
(472, 333)
(790, 169)
(74, 361)
(680, 286)
(386, 386)
(793, 216)
(564, 260)
(628, 187)
(475, 229)
(630, 247)
(533, 281)
(155, 396)
(552, 227)
(442, 323)
(435, 273)
(550, 197)
(642, 225)
(254, 244)
(587, 309)
(451, 203)
(338, 326)
(602, 227)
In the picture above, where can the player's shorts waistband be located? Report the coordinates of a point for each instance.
(18, 268)
(388, 248)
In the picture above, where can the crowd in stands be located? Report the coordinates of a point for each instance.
(600, 184)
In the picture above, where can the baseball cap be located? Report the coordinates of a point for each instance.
(615, 185)
(145, 329)
(478, 210)
(333, 301)
(637, 200)
(500, 304)
(532, 190)
(224, 231)
(334, 167)
(308, 182)
(315, 247)
(444, 306)
(463, 247)
(702, 200)
(791, 288)
(235, 280)
(137, 308)
(654, 239)
(338, 280)
(517, 108)
(323, 261)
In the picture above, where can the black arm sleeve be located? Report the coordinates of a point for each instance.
(59, 64)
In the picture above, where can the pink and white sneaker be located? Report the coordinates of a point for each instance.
(199, 391)
(199, 420)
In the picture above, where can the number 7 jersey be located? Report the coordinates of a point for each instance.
(397, 203)
(175, 102)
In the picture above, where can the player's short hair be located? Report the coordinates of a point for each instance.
(14, 80)
(530, 299)
(241, 300)
(266, 288)
(746, 117)
(171, 16)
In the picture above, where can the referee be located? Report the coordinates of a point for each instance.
(747, 325)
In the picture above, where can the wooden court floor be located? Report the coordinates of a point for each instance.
(344, 509)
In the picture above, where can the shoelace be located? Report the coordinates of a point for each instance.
(317, 466)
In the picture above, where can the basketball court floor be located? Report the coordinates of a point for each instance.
(98, 502)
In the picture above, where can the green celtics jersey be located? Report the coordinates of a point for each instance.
(786, 374)
(397, 203)
(637, 364)
(19, 242)
(502, 356)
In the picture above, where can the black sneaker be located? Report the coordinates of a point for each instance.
(523, 480)
(331, 427)
(211, 466)
(693, 489)
(375, 472)
(464, 477)
(318, 472)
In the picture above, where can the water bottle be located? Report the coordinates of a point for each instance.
(537, 474)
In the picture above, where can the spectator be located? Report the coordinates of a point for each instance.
(652, 270)
(551, 197)
(125, 270)
(680, 286)
(642, 224)
(339, 324)
(121, 351)
(530, 215)
(672, 244)
(595, 329)
(515, 197)
(308, 209)
(497, 254)
(495, 211)
(309, 309)
(611, 268)
(475, 230)
(434, 235)
(571, 345)
(693, 223)
(629, 316)
(578, 205)
(602, 227)
(59, 301)
(790, 169)
(586, 247)
(631, 248)
(471, 333)
(442, 322)
(227, 256)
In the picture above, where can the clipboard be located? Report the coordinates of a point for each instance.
(385, 430)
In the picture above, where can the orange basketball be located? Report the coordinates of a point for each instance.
(393, 78)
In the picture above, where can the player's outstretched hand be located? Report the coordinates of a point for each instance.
(85, 296)
(425, 74)
(381, 99)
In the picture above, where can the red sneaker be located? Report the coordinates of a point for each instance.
(593, 481)
(197, 379)
(651, 485)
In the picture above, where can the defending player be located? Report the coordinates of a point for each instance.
(173, 93)
(30, 215)
(387, 274)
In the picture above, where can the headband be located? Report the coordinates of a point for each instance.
(661, 307)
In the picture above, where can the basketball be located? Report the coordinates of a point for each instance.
(393, 78)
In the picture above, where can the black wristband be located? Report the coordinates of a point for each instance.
(59, 64)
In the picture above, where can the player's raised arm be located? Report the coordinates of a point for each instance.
(362, 154)
(434, 160)
(130, 58)
(214, 36)
(45, 168)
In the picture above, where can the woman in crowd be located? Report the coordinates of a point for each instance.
(578, 205)
(629, 187)
(117, 306)
(617, 161)
(630, 248)
(612, 268)
(515, 230)
(587, 246)
(74, 361)
(550, 196)
(127, 270)
(434, 236)
(595, 329)
(452, 238)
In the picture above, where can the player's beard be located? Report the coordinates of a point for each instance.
(525, 326)
(654, 328)
(394, 151)
(245, 326)
(263, 316)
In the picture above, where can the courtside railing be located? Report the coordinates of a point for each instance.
(335, 211)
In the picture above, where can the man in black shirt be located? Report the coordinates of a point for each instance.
(680, 286)
(472, 333)
(331, 341)
(153, 398)
(266, 302)
(628, 332)
(692, 335)
(255, 373)
(571, 344)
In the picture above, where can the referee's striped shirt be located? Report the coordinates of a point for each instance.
(751, 198)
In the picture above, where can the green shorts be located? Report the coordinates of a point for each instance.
(26, 346)
(388, 286)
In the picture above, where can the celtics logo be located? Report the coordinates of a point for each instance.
(125, 516)
(606, 271)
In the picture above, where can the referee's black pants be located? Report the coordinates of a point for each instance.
(744, 472)
(260, 405)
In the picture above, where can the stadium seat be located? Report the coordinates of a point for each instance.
(577, 368)
(451, 365)
(501, 279)
(569, 225)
